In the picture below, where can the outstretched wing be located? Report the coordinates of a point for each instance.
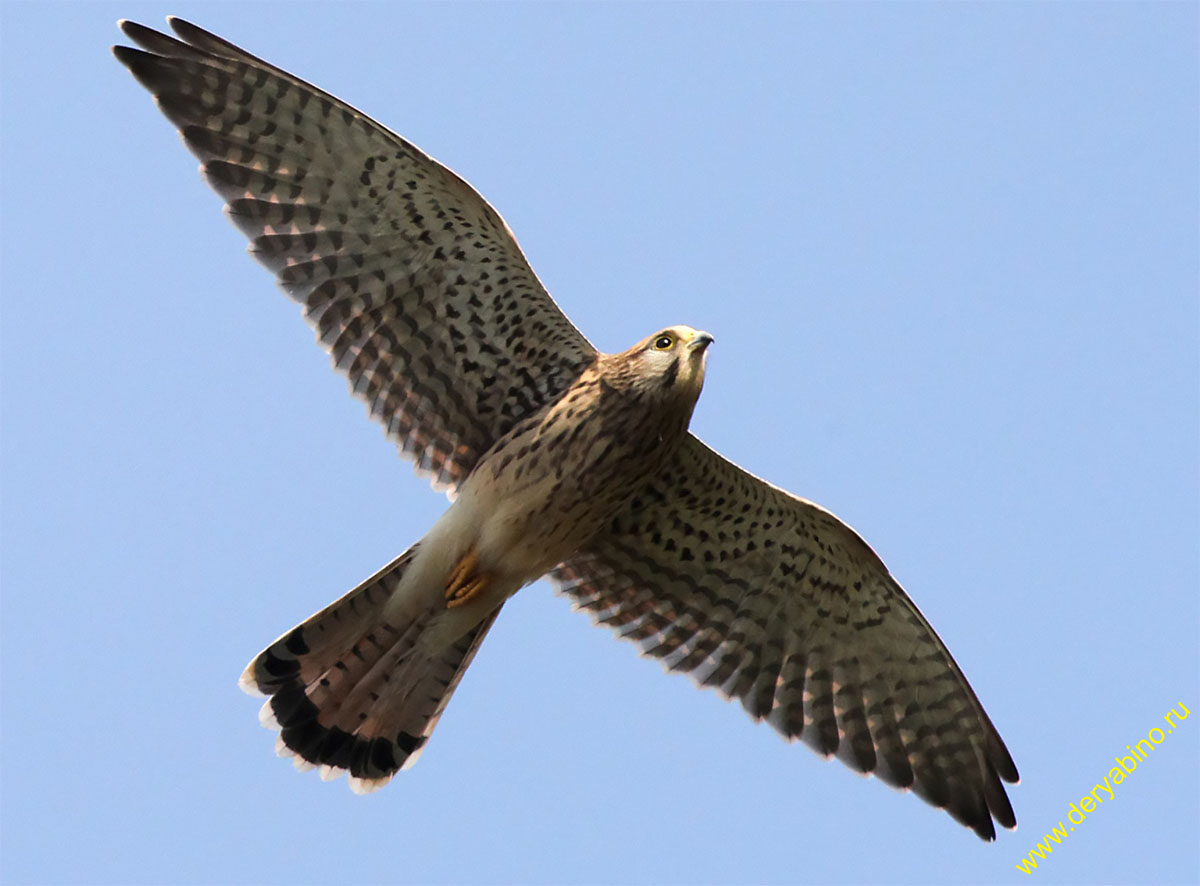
(414, 284)
(774, 601)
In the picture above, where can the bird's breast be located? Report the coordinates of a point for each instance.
(551, 484)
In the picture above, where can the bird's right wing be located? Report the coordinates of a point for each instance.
(414, 284)
(774, 601)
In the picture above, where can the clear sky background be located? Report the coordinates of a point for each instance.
(949, 255)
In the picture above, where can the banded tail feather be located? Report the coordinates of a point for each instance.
(350, 692)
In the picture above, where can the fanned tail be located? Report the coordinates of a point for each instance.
(352, 693)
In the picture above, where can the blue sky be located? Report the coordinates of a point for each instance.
(949, 255)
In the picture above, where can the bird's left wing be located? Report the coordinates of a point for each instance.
(414, 284)
(774, 601)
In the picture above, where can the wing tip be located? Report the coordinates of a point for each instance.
(186, 30)
(140, 34)
(123, 54)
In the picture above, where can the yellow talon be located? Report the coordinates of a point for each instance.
(462, 571)
(465, 584)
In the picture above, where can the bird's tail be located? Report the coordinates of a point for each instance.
(350, 692)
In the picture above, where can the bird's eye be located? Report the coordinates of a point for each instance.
(663, 343)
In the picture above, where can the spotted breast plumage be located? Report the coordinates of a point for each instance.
(561, 461)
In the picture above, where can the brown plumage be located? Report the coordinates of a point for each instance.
(564, 462)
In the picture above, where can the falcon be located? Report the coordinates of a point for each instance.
(559, 460)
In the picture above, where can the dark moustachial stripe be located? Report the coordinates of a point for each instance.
(671, 373)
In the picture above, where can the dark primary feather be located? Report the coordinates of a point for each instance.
(775, 602)
(414, 284)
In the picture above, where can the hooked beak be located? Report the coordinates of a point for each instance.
(700, 342)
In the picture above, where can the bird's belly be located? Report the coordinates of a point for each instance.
(534, 517)
(529, 528)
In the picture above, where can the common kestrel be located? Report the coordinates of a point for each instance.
(563, 461)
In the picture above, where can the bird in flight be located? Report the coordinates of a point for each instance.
(561, 461)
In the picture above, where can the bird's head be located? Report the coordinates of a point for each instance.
(671, 362)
